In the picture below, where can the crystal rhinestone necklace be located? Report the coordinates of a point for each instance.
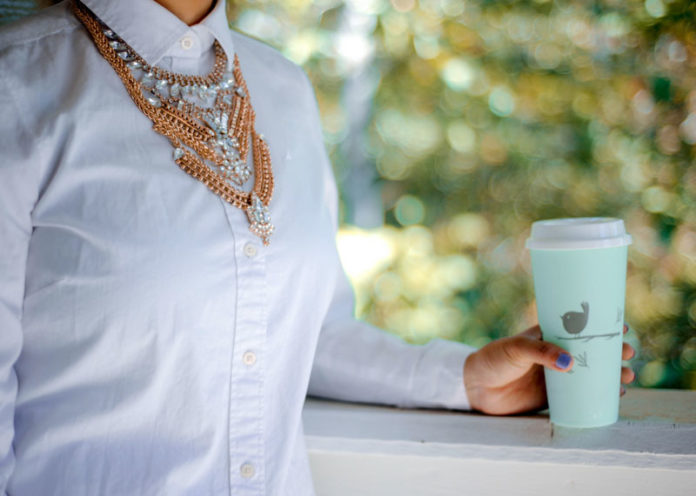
(209, 121)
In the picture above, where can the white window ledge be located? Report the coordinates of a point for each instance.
(360, 450)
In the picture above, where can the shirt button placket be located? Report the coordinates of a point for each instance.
(246, 384)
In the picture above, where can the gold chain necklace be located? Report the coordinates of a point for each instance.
(211, 140)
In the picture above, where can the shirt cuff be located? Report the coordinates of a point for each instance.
(438, 380)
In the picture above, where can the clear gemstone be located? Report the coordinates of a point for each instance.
(175, 90)
(178, 153)
(134, 65)
(240, 91)
(125, 55)
(153, 100)
(148, 80)
(109, 34)
(117, 45)
(161, 84)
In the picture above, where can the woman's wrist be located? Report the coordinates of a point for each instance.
(473, 390)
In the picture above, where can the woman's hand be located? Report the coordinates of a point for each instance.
(507, 375)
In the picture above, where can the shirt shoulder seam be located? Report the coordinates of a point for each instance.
(13, 102)
(41, 36)
(69, 25)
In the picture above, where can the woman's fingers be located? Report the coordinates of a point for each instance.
(549, 355)
(532, 332)
(527, 350)
(627, 352)
(533, 350)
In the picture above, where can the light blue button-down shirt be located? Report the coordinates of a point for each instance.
(149, 344)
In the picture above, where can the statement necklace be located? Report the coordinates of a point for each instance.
(209, 121)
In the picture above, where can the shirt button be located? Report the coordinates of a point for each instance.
(247, 470)
(186, 43)
(249, 358)
(250, 250)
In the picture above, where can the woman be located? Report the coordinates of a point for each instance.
(161, 325)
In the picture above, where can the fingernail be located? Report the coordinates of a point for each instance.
(623, 390)
(625, 326)
(563, 361)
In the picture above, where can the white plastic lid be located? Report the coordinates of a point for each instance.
(578, 234)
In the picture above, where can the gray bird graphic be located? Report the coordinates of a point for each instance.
(575, 322)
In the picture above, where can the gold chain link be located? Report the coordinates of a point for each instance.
(180, 127)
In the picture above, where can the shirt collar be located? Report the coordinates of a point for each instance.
(151, 30)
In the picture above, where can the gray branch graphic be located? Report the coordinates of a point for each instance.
(589, 337)
(581, 359)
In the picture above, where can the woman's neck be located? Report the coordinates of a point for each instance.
(189, 11)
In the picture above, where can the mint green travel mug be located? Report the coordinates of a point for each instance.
(579, 272)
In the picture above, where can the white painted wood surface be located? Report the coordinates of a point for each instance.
(360, 450)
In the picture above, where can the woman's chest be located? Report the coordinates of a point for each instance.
(118, 214)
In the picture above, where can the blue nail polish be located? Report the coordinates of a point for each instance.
(563, 361)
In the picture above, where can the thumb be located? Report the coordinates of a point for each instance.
(528, 351)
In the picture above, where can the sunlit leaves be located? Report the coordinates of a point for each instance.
(490, 115)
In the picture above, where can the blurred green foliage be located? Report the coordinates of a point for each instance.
(484, 116)
(489, 115)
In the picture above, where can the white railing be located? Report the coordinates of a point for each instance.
(360, 450)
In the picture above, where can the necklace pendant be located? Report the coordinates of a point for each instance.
(259, 219)
(207, 119)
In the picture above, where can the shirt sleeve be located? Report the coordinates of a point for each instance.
(17, 194)
(355, 361)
